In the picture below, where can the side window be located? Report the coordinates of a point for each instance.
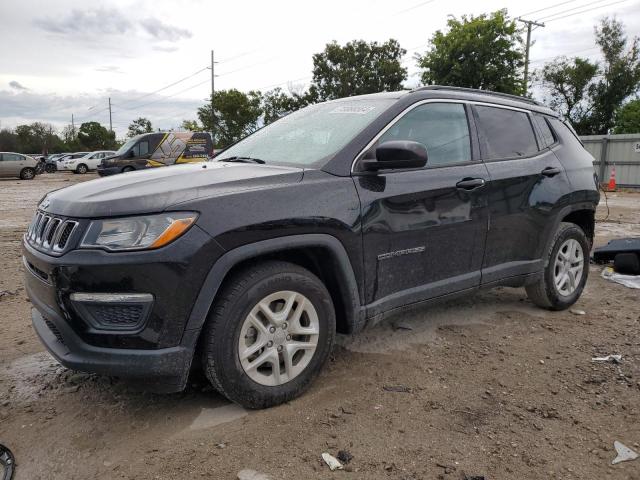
(441, 127)
(11, 157)
(144, 147)
(505, 133)
(547, 135)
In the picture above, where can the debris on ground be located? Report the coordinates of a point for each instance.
(473, 477)
(249, 474)
(624, 252)
(7, 462)
(401, 325)
(397, 388)
(630, 281)
(7, 293)
(608, 358)
(332, 462)
(344, 456)
(625, 454)
(577, 312)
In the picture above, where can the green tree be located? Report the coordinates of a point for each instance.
(482, 52)
(356, 68)
(620, 74)
(236, 115)
(191, 126)
(139, 126)
(628, 118)
(8, 141)
(37, 137)
(94, 136)
(590, 94)
(276, 103)
(569, 83)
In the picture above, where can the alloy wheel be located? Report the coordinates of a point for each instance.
(278, 338)
(568, 267)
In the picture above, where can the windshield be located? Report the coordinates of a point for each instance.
(311, 135)
(128, 144)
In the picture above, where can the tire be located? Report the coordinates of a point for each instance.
(49, 168)
(127, 169)
(27, 173)
(82, 169)
(222, 342)
(555, 291)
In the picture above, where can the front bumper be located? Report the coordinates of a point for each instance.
(106, 171)
(159, 348)
(163, 370)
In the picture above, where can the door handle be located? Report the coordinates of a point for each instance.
(550, 171)
(470, 183)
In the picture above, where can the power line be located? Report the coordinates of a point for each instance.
(547, 8)
(414, 7)
(538, 60)
(585, 11)
(573, 9)
(167, 86)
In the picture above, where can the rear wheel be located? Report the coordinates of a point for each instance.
(82, 168)
(566, 270)
(127, 169)
(27, 173)
(50, 168)
(269, 334)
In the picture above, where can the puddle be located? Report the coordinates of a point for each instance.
(212, 417)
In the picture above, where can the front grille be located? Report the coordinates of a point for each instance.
(50, 233)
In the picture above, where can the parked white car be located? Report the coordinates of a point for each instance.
(83, 164)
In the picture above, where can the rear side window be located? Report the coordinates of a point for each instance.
(441, 127)
(142, 148)
(505, 133)
(547, 135)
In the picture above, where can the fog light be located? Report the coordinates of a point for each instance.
(113, 311)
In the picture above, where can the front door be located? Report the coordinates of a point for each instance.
(424, 230)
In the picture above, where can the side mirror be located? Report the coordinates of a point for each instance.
(397, 154)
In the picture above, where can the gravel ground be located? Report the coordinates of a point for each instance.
(487, 386)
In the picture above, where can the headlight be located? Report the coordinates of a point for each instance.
(137, 233)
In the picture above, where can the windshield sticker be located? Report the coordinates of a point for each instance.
(356, 109)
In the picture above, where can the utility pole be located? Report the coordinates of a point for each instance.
(73, 128)
(110, 124)
(528, 23)
(213, 89)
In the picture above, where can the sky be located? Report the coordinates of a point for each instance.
(151, 57)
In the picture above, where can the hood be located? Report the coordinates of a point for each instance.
(156, 189)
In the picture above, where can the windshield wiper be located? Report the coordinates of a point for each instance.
(242, 160)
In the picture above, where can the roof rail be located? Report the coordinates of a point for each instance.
(480, 92)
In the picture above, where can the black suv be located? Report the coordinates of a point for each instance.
(322, 222)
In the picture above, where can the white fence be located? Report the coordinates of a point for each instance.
(622, 150)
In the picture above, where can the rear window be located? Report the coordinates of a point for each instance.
(547, 135)
(505, 133)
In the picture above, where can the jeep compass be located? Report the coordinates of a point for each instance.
(324, 221)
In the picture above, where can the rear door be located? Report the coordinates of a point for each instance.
(525, 189)
(424, 230)
(13, 163)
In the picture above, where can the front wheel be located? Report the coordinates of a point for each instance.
(27, 173)
(82, 168)
(50, 168)
(566, 270)
(269, 334)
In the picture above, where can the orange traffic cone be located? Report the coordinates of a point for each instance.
(612, 180)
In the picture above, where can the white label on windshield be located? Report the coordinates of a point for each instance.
(358, 110)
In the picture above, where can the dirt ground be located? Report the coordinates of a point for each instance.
(495, 388)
